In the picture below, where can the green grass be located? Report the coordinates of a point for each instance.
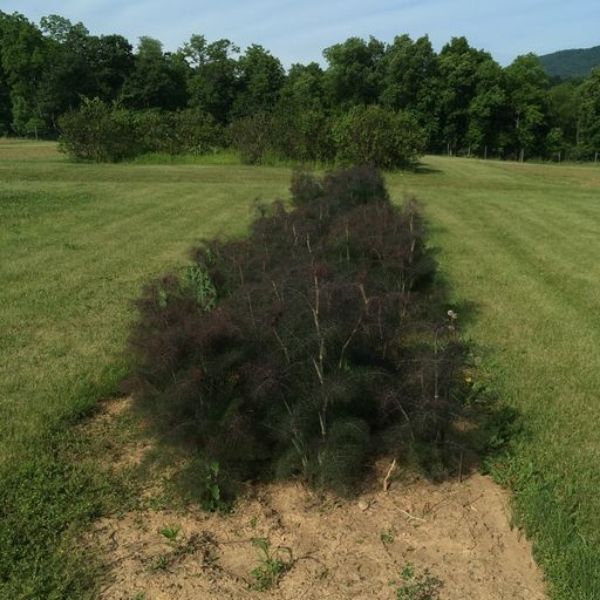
(220, 157)
(521, 242)
(77, 241)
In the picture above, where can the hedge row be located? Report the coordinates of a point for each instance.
(363, 135)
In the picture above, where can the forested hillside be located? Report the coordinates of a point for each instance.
(457, 101)
(568, 64)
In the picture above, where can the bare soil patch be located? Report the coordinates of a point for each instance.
(460, 531)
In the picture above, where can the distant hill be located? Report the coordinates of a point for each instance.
(567, 64)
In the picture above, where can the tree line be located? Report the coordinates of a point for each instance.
(372, 100)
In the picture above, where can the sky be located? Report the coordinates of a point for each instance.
(298, 30)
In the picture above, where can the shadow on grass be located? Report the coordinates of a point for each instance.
(423, 169)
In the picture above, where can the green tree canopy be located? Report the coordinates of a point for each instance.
(589, 113)
(527, 86)
(353, 76)
(261, 77)
(459, 68)
(304, 88)
(157, 80)
(462, 99)
(213, 82)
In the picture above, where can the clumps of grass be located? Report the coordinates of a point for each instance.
(159, 563)
(418, 586)
(46, 501)
(318, 341)
(273, 564)
(387, 537)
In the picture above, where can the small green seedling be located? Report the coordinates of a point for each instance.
(171, 532)
(272, 565)
(418, 587)
(160, 563)
(211, 494)
(387, 537)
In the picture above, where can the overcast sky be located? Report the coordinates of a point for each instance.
(297, 31)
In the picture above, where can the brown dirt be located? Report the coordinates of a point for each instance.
(337, 549)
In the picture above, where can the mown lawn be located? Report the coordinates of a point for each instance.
(77, 242)
(522, 242)
(519, 242)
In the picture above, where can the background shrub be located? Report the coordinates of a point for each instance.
(154, 131)
(377, 136)
(365, 135)
(252, 137)
(314, 343)
(303, 136)
(187, 131)
(104, 133)
(196, 132)
(99, 132)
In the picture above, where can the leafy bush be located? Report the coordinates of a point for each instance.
(105, 133)
(303, 136)
(188, 131)
(423, 586)
(366, 135)
(196, 132)
(377, 136)
(314, 343)
(153, 131)
(252, 137)
(99, 132)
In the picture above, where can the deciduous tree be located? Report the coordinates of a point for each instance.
(527, 85)
(589, 113)
(213, 82)
(261, 77)
(353, 75)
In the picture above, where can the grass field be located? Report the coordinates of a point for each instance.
(518, 242)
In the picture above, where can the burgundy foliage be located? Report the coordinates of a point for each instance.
(318, 341)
